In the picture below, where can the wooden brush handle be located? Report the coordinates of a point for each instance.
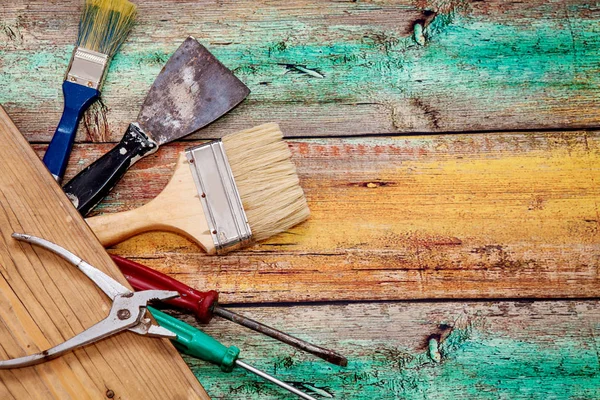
(176, 209)
(114, 228)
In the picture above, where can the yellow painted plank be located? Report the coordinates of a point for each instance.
(488, 215)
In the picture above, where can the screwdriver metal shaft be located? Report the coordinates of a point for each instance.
(274, 380)
(321, 352)
(198, 344)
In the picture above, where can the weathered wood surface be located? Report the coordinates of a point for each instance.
(462, 216)
(486, 350)
(44, 300)
(329, 68)
(497, 215)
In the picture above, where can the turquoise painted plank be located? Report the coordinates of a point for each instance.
(460, 68)
(476, 365)
(499, 350)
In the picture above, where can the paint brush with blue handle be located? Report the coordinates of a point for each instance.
(104, 25)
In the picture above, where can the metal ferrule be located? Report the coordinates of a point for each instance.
(87, 67)
(219, 196)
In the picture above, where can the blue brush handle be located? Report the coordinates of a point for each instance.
(77, 99)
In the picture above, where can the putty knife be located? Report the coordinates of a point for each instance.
(192, 90)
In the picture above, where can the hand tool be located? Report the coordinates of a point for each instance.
(205, 304)
(104, 25)
(192, 90)
(127, 312)
(223, 195)
(198, 344)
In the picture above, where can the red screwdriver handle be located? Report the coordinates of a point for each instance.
(145, 278)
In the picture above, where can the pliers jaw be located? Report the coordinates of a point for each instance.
(147, 328)
(131, 306)
(128, 311)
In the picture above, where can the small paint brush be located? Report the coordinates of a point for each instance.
(104, 25)
(224, 195)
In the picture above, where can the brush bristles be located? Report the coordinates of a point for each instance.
(105, 24)
(266, 179)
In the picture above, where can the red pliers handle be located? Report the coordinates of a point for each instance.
(204, 306)
(144, 278)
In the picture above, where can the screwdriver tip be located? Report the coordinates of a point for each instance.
(338, 359)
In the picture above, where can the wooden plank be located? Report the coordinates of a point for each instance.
(500, 215)
(44, 300)
(389, 66)
(451, 350)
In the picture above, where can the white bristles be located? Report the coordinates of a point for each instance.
(266, 179)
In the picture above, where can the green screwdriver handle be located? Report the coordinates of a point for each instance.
(196, 343)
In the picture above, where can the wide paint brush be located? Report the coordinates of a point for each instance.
(192, 90)
(104, 25)
(223, 195)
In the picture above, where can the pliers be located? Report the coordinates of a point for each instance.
(128, 311)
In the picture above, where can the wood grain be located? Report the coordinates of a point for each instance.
(496, 215)
(420, 350)
(176, 209)
(44, 300)
(500, 215)
(328, 68)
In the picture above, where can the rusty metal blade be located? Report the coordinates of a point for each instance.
(192, 90)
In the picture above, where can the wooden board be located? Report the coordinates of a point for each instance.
(501, 215)
(44, 300)
(421, 350)
(328, 68)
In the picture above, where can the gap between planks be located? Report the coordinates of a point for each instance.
(367, 135)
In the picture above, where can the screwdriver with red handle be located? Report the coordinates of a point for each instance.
(205, 304)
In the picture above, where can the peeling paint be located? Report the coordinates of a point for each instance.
(418, 34)
(434, 352)
(476, 364)
(504, 70)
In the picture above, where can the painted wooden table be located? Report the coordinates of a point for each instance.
(450, 154)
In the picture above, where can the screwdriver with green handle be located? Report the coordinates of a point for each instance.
(198, 344)
(205, 304)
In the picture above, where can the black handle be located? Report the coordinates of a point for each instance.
(92, 184)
